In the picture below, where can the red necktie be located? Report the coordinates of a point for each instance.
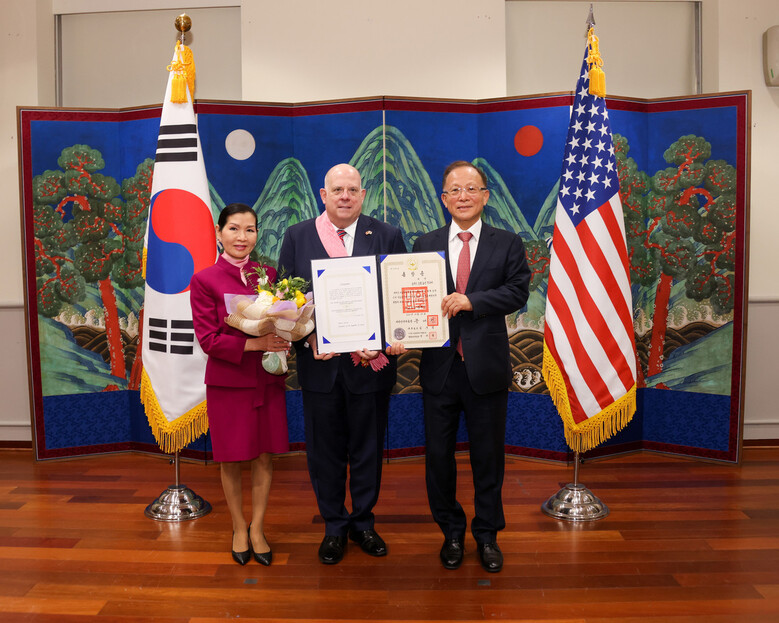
(463, 272)
(463, 263)
(341, 233)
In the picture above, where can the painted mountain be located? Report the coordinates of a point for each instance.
(501, 209)
(286, 199)
(69, 369)
(217, 203)
(412, 203)
(700, 366)
(544, 226)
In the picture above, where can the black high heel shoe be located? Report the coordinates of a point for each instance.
(242, 557)
(264, 558)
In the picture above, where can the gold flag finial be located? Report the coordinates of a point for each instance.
(183, 67)
(184, 23)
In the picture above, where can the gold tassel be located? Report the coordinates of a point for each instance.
(143, 264)
(176, 435)
(596, 429)
(595, 62)
(189, 68)
(178, 90)
(183, 69)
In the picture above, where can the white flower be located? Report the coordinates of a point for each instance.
(264, 299)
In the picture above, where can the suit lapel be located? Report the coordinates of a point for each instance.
(442, 242)
(317, 248)
(362, 240)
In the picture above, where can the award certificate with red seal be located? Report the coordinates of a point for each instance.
(413, 285)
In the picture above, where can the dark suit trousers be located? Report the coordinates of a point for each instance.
(485, 421)
(345, 429)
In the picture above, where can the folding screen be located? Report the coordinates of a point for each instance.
(683, 167)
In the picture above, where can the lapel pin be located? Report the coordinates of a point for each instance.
(368, 232)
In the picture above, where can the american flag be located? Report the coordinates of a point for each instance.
(589, 347)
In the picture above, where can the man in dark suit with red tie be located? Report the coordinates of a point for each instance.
(487, 278)
(345, 397)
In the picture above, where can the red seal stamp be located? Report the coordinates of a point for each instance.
(414, 300)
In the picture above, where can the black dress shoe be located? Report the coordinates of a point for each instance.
(452, 553)
(331, 551)
(491, 557)
(242, 557)
(370, 542)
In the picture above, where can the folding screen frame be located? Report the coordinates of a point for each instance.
(401, 146)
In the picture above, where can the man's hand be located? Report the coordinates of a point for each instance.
(454, 303)
(311, 339)
(396, 348)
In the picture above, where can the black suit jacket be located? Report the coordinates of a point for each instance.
(301, 245)
(498, 285)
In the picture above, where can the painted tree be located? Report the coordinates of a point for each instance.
(57, 280)
(127, 269)
(680, 226)
(88, 230)
(538, 257)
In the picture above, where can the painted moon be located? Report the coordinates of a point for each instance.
(240, 144)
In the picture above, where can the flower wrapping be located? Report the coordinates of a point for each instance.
(283, 310)
(262, 316)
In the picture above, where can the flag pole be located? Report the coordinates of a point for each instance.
(178, 502)
(575, 502)
(575, 469)
(595, 397)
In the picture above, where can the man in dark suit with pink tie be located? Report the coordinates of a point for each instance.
(345, 397)
(487, 278)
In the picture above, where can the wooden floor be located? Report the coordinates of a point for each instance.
(685, 541)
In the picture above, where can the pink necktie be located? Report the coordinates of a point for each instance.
(463, 272)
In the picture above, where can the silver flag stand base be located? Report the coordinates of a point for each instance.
(177, 503)
(575, 502)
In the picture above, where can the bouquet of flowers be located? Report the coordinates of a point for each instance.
(283, 308)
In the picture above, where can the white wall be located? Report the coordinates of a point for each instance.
(303, 50)
(739, 31)
(141, 45)
(545, 44)
(27, 76)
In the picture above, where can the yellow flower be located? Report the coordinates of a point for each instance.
(300, 299)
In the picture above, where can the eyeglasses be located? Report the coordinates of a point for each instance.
(468, 190)
(352, 191)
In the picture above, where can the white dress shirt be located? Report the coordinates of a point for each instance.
(348, 237)
(456, 245)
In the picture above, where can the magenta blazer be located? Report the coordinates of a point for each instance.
(228, 364)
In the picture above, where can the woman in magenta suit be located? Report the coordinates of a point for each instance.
(246, 405)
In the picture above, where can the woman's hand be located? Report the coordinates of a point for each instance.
(366, 354)
(269, 343)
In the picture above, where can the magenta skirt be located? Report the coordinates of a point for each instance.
(240, 429)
